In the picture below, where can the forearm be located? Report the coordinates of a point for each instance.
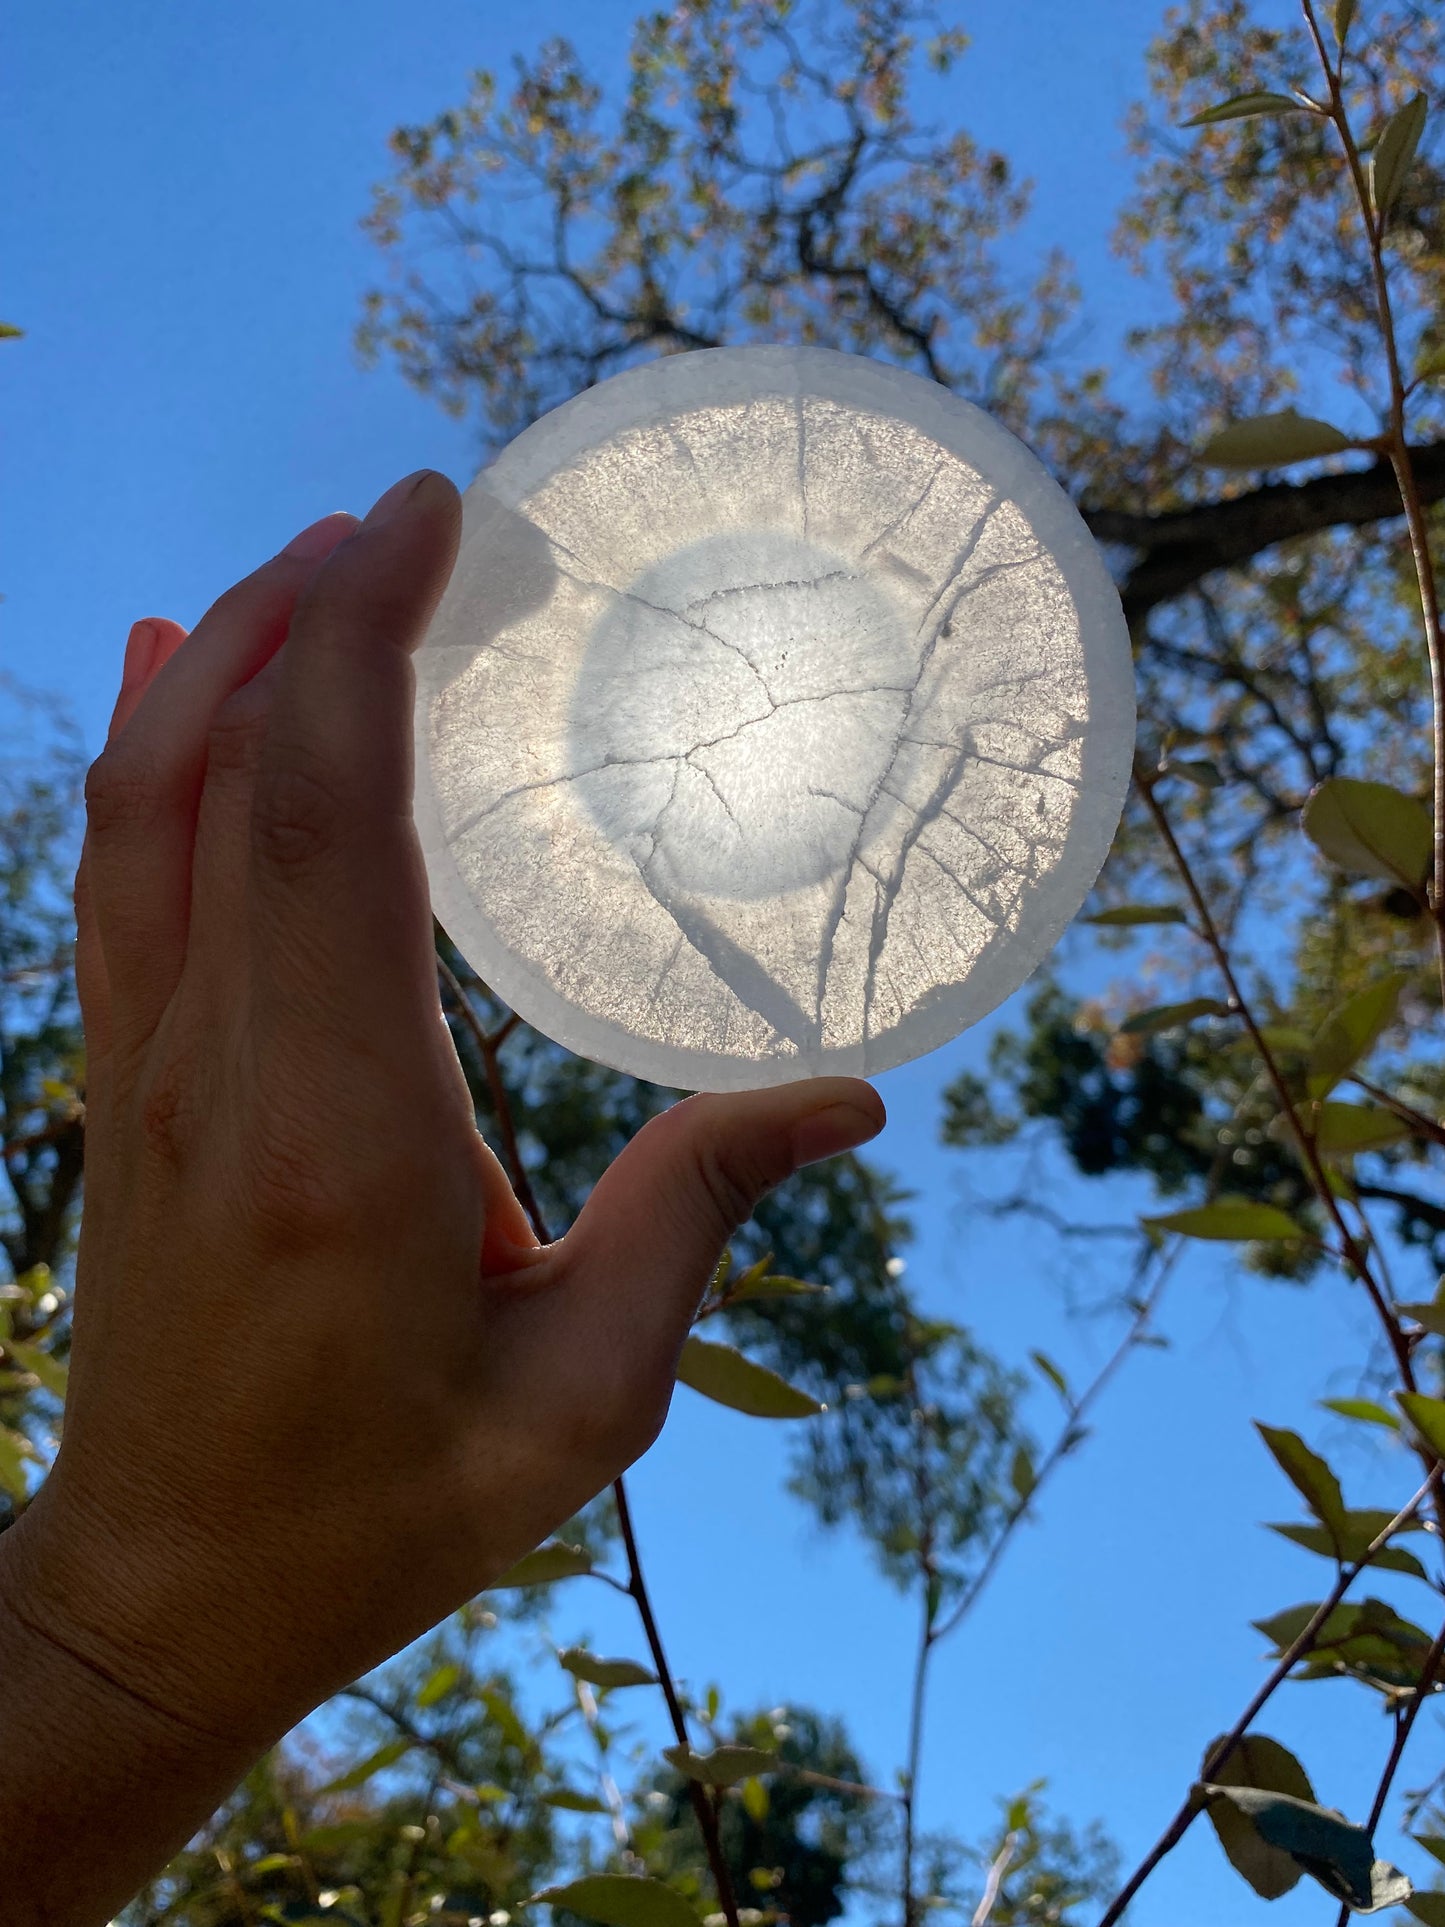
(98, 1789)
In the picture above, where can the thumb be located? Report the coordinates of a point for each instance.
(650, 1236)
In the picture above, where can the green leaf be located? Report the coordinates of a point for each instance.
(1433, 1843)
(1022, 1476)
(1342, 1130)
(15, 1449)
(1351, 1033)
(1393, 152)
(621, 1900)
(358, 1775)
(1230, 1220)
(1055, 1377)
(1370, 830)
(1247, 107)
(9, 332)
(33, 1358)
(721, 1372)
(604, 1672)
(1431, 364)
(1167, 1016)
(1307, 1473)
(505, 1717)
(1427, 1415)
(774, 1286)
(724, 1766)
(1344, 13)
(1429, 1907)
(1352, 1541)
(555, 1560)
(1321, 1842)
(1204, 775)
(1431, 1316)
(1125, 915)
(1363, 1409)
(755, 1800)
(1368, 1639)
(1273, 441)
(272, 1863)
(1263, 1763)
(439, 1685)
(570, 1800)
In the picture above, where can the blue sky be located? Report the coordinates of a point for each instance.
(180, 233)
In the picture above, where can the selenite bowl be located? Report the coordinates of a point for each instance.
(776, 720)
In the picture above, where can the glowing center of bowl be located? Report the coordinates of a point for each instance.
(737, 710)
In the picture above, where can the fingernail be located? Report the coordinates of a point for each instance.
(841, 1127)
(320, 538)
(385, 506)
(140, 652)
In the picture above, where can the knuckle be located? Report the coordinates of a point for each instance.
(297, 817)
(168, 1118)
(233, 743)
(297, 1198)
(122, 791)
(732, 1180)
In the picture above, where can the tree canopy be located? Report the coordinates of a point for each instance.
(1264, 468)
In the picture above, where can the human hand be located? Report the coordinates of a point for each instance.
(325, 1385)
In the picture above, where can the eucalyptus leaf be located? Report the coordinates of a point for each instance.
(1126, 915)
(1427, 1415)
(1370, 829)
(1342, 1130)
(1247, 107)
(1429, 1907)
(1321, 1842)
(1308, 1473)
(1433, 1843)
(439, 1684)
(572, 1800)
(1365, 1410)
(604, 1672)
(555, 1560)
(1168, 1016)
(1344, 13)
(1393, 153)
(50, 1371)
(724, 1766)
(1022, 1476)
(359, 1774)
(1263, 1763)
(621, 1900)
(722, 1373)
(1354, 1539)
(1273, 441)
(1430, 1315)
(1054, 1375)
(773, 1285)
(1229, 1220)
(1351, 1032)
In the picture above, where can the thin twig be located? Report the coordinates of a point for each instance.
(1066, 1440)
(1304, 1143)
(706, 1813)
(1403, 1723)
(1402, 462)
(994, 1887)
(1189, 1811)
(1427, 1126)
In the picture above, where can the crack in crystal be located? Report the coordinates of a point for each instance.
(904, 515)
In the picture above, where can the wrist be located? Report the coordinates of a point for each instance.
(99, 1785)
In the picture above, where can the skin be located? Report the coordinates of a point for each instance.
(325, 1384)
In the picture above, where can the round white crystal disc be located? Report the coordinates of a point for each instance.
(776, 720)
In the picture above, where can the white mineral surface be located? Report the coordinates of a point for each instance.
(777, 719)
